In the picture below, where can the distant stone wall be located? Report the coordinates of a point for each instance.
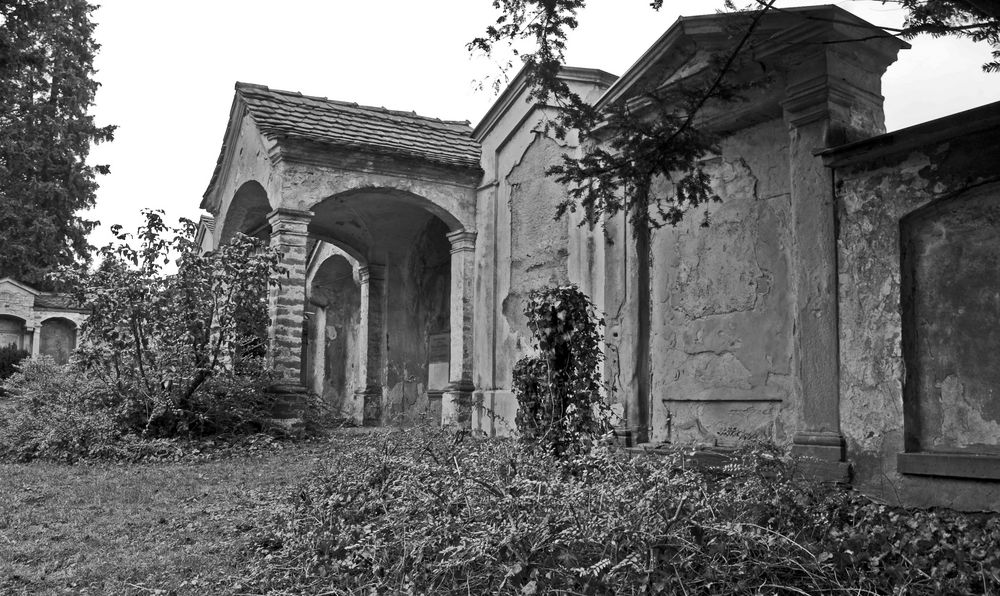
(919, 309)
(40, 323)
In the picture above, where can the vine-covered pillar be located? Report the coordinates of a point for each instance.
(287, 301)
(373, 342)
(456, 406)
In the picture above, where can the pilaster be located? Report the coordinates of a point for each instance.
(36, 340)
(456, 406)
(286, 302)
(373, 317)
(830, 98)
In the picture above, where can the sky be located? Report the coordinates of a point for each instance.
(167, 72)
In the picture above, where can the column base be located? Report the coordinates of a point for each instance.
(456, 404)
(371, 405)
(435, 399)
(824, 455)
(290, 400)
(825, 446)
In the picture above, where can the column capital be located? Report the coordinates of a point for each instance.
(372, 271)
(286, 214)
(822, 97)
(462, 240)
(292, 222)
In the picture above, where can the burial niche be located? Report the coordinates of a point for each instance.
(951, 330)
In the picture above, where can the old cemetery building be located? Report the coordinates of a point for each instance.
(845, 298)
(40, 323)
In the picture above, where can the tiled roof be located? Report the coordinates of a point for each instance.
(56, 301)
(283, 113)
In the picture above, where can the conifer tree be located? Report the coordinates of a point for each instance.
(47, 86)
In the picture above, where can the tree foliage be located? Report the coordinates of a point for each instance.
(660, 139)
(183, 350)
(559, 390)
(47, 52)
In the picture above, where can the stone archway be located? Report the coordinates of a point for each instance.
(406, 291)
(57, 339)
(333, 336)
(247, 213)
(363, 179)
(12, 332)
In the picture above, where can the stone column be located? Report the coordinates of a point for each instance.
(36, 340)
(319, 351)
(373, 342)
(287, 302)
(456, 404)
(831, 98)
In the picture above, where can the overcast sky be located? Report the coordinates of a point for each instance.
(167, 71)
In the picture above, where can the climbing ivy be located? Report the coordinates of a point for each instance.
(558, 390)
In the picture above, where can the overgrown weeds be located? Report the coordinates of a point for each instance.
(419, 513)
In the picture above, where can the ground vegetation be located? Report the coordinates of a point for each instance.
(162, 355)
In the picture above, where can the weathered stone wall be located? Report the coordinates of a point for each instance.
(721, 325)
(916, 349)
(418, 309)
(520, 245)
(539, 243)
(250, 163)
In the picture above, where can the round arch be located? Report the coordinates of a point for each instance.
(397, 196)
(12, 331)
(247, 213)
(57, 338)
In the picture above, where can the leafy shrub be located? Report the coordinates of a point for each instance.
(10, 356)
(56, 412)
(416, 514)
(182, 353)
(558, 391)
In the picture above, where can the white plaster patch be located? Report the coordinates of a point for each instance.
(962, 422)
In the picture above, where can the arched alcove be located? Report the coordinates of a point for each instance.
(950, 301)
(58, 339)
(247, 213)
(334, 337)
(12, 332)
(405, 297)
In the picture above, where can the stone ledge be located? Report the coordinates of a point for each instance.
(951, 465)
(838, 472)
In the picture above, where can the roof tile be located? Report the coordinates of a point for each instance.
(283, 113)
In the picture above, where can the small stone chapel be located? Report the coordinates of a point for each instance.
(844, 300)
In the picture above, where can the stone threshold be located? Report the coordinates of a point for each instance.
(950, 465)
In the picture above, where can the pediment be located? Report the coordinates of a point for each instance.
(12, 286)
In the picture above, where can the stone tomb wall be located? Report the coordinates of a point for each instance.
(721, 324)
(919, 310)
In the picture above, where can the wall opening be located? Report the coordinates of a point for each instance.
(58, 339)
(950, 301)
(12, 332)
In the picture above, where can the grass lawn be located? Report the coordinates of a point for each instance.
(161, 528)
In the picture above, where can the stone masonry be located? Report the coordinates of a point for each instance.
(843, 301)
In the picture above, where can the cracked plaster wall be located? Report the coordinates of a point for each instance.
(250, 162)
(721, 321)
(418, 307)
(873, 196)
